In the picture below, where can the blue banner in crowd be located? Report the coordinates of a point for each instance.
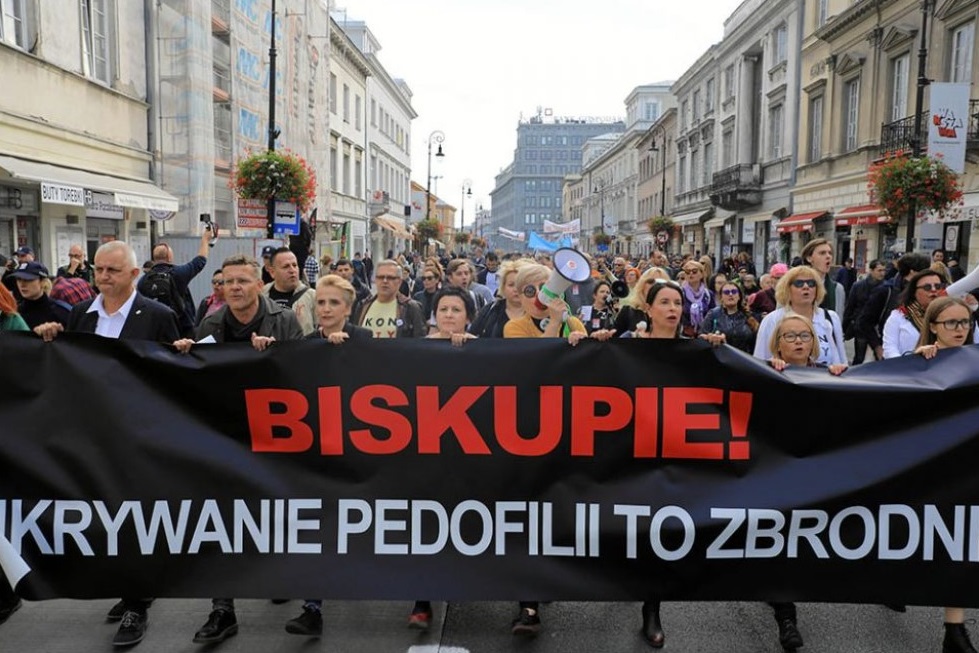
(503, 470)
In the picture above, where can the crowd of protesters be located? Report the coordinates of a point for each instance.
(798, 315)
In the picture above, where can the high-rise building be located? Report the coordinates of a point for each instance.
(528, 191)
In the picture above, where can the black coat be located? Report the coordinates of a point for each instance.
(147, 320)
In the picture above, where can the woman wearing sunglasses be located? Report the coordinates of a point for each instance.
(491, 319)
(801, 291)
(947, 324)
(552, 321)
(906, 323)
(431, 282)
(730, 323)
(698, 298)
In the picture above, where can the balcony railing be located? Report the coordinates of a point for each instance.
(898, 136)
(737, 187)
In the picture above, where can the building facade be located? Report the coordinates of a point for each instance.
(76, 163)
(529, 190)
(859, 63)
(654, 190)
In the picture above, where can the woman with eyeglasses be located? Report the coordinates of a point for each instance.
(698, 298)
(632, 309)
(946, 324)
(730, 323)
(491, 319)
(800, 291)
(214, 301)
(431, 282)
(793, 344)
(906, 323)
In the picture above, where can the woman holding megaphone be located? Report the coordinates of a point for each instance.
(542, 320)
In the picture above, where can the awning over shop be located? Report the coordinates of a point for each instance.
(716, 223)
(799, 222)
(393, 224)
(689, 219)
(134, 193)
(864, 214)
(763, 217)
(436, 243)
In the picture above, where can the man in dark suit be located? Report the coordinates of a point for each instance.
(120, 312)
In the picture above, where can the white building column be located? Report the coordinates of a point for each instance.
(746, 101)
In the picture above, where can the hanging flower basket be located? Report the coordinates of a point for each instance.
(279, 174)
(462, 237)
(601, 239)
(660, 223)
(478, 242)
(428, 229)
(902, 184)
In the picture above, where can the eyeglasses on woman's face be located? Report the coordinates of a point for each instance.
(429, 277)
(800, 336)
(931, 287)
(730, 291)
(217, 282)
(954, 325)
(804, 283)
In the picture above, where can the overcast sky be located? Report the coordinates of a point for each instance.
(475, 66)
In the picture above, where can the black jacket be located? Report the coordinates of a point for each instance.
(870, 320)
(490, 320)
(147, 320)
(856, 299)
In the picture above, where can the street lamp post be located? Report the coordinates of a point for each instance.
(435, 137)
(467, 191)
(662, 174)
(273, 132)
(919, 100)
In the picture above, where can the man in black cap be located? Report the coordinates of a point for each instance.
(267, 253)
(35, 306)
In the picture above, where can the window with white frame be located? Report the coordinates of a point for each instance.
(899, 86)
(780, 44)
(346, 103)
(684, 107)
(708, 164)
(373, 112)
(95, 40)
(775, 128)
(694, 169)
(960, 62)
(851, 113)
(729, 82)
(358, 176)
(822, 12)
(357, 112)
(709, 96)
(333, 94)
(346, 173)
(696, 105)
(13, 22)
(334, 168)
(815, 129)
(727, 148)
(681, 181)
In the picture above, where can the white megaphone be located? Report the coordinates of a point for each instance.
(570, 266)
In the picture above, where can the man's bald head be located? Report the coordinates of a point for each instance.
(162, 254)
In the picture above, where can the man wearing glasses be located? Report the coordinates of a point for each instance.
(78, 267)
(389, 314)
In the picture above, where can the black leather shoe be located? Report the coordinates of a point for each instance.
(527, 623)
(957, 640)
(9, 608)
(788, 634)
(309, 623)
(115, 612)
(652, 628)
(132, 629)
(896, 607)
(221, 624)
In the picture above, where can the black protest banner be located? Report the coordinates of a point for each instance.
(499, 470)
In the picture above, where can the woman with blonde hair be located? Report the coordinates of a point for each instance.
(800, 291)
(632, 309)
(492, 318)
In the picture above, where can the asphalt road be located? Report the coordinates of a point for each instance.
(379, 627)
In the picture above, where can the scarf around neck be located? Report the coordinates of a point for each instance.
(699, 302)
